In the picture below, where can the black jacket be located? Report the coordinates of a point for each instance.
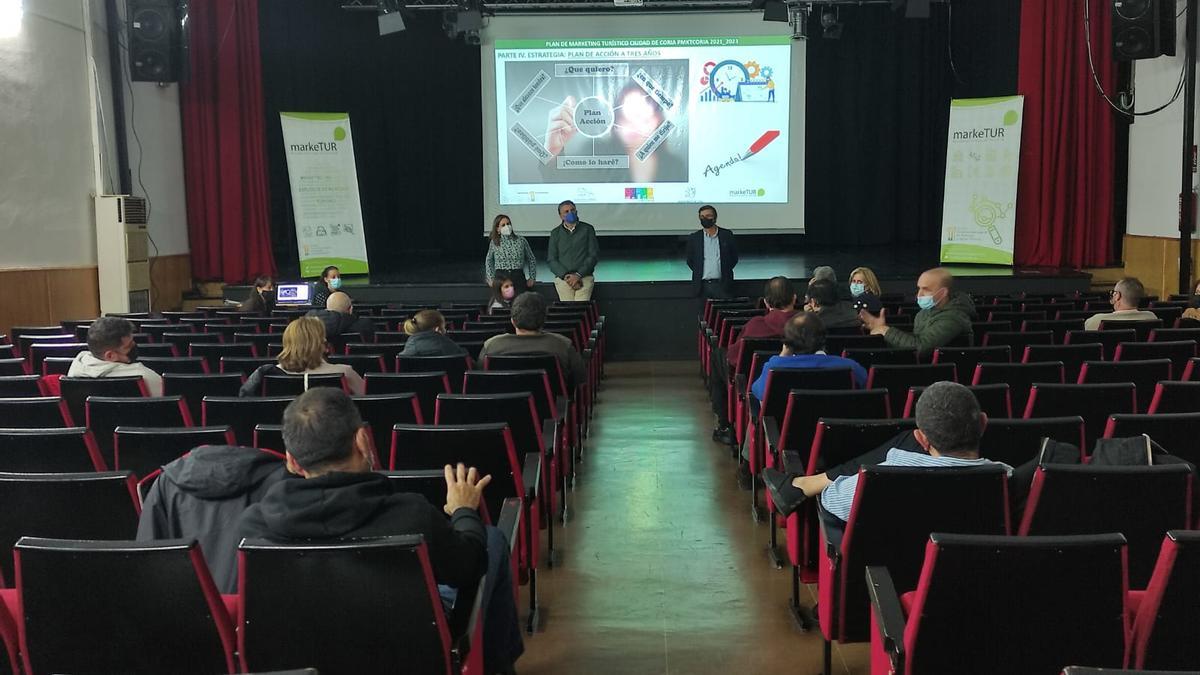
(695, 258)
(256, 303)
(431, 343)
(337, 323)
(200, 496)
(841, 315)
(356, 505)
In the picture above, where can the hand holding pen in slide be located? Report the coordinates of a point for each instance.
(560, 126)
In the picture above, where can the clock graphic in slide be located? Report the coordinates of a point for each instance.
(725, 78)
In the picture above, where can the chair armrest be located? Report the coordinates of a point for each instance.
(550, 436)
(739, 385)
(462, 642)
(532, 475)
(794, 463)
(832, 550)
(770, 427)
(560, 402)
(889, 615)
(510, 521)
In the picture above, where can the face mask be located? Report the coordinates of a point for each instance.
(268, 296)
(335, 283)
(706, 223)
(506, 230)
(132, 355)
(857, 289)
(571, 217)
(925, 301)
(509, 293)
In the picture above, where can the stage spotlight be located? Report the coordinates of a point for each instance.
(390, 19)
(798, 20)
(465, 22)
(774, 10)
(831, 26)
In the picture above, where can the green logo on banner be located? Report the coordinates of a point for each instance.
(1011, 117)
(339, 133)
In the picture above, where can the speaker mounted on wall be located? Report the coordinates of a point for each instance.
(158, 40)
(1143, 29)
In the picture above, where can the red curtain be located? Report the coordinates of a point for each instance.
(223, 144)
(1065, 193)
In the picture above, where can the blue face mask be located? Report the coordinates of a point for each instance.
(925, 301)
(335, 283)
(857, 289)
(571, 217)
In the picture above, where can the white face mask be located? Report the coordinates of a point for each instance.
(506, 230)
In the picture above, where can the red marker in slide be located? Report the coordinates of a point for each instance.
(761, 143)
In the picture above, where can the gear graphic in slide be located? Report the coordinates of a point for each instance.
(754, 69)
(768, 72)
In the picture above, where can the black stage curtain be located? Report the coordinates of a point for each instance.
(877, 113)
(414, 104)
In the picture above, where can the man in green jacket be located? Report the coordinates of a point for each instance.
(944, 316)
(573, 254)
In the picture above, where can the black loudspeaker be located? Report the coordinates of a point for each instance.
(1143, 29)
(157, 40)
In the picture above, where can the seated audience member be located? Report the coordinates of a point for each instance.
(339, 319)
(824, 273)
(262, 297)
(342, 497)
(803, 347)
(427, 336)
(528, 317)
(112, 352)
(202, 494)
(945, 315)
(863, 280)
(331, 282)
(303, 353)
(780, 297)
(949, 426)
(1124, 297)
(503, 292)
(823, 301)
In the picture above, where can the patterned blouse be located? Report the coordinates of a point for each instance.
(513, 253)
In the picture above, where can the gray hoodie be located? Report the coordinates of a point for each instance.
(86, 364)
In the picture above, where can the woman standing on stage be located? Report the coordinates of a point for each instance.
(509, 255)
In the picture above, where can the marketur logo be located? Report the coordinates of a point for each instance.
(748, 192)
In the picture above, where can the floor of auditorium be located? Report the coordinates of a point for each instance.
(662, 569)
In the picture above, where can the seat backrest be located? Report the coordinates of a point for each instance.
(1020, 377)
(1175, 397)
(1018, 340)
(243, 365)
(39, 352)
(780, 381)
(487, 447)
(981, 329)
(193, 388)
(106, 413)
(966, 358)
(1016, 441)
(76, 390)
(1072, 356)
(895, 509)
(806, 406)
(36, 412)
(129, 607)
(836, 344)
(1109, 338)
(1178, 351)
(386, 584)
(91, 505)
(1140, 327)
(1164, 629)
(62, 450)
(20, 386)
(212, 352)
(897, 379)
(839, 440)
(1093, 402)
(384, 411)
(1143, 374)
(1032, 587)
(535, 382)
(994, 400)
(143, 450)
(270, 437)
(1174, 334)
(294, 385)
(425, 385)
(881, 356)
(1175, 432)
(1140, 502)
(546, 362)
(1057, 326)
(453, 366)
(361, 363)
(430, 484)
(194, 365)
(241, 414)
(516, 410)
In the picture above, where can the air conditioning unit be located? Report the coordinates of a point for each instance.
(123, 253)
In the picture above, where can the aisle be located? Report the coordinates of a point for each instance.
(662, 570)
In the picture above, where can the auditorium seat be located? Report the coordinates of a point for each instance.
(76, 390)
(1141, 328)
(388, 350)
(12, 367)
(338, 342)
(242, 365)
(1178, 351)
(270, 437)
(1072, 356)
(182, 340)
(213, 352)
(1093, 402)
(16, 333)
(63, 450)
(981, 329)
(38, 353)
(193, 388)
(142, 450)
(578, 397)
(994, 400)
(1177, 433)
(1015, 317)
(966, 358)
(386, 584)
(895, 510)
(898, 378)
(1143, 374)
(1059, 327)
(1020, 377)
(836, 344)
(453, 366)
(35, 412)
(53, 365)
(1167, 612)
(228, 331)
(163, 350)
(1175, 334)
(1175, 397)
(24, 342)
(241, 414)
(90, 505)
(384, 411)
(1033, 587)
(1140, 502)
(1016, 441)
(105, 413)
(1017, 340)
(1109, 338)
(294, 385)
(361, 363)
(251, 335)
(536, 382)
(20, 386)
(1168, 315)
(425, 385)
(93, 606)
(193, 365)
(881, 356)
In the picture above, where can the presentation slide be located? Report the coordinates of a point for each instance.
(635, 128)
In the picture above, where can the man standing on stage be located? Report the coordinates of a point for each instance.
(711, 255)
(573, 254)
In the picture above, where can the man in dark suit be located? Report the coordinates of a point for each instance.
(711, 255)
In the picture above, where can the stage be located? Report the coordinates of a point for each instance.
(648, 296)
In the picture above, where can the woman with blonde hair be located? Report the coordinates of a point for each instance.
(863, 280)
(427, 336)
(303, 353)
